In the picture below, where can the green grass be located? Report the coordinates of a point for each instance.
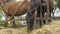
(17, 23)
(10, 24)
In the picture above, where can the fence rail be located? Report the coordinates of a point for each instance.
(13, 20)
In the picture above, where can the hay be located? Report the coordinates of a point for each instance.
(13, 31)
(52, 28)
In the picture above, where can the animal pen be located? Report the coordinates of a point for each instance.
(46, 17)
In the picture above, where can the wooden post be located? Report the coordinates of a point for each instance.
(41, 11)
(48, 9)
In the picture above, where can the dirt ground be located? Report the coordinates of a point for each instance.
(52, 28)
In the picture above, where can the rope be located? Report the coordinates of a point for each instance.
(3, 14)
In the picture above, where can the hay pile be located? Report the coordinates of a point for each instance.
(13, 31)
(53, 28)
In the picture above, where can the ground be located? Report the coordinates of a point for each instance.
(52, 28)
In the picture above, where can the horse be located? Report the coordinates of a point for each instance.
(11, 7)
(44, 10)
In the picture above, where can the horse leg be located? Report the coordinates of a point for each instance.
(30, 14)
(30, 20)
(51, 10)
(39, 22)
(13, 25)
(50, 17)
(44, 22)
(43, 13)
(6, 21)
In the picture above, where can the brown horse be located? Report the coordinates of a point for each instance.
(11, 7)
